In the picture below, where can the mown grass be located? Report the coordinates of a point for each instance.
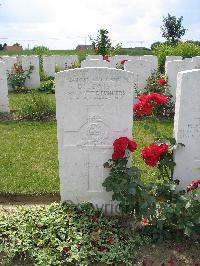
(28, 157)
(18, 100)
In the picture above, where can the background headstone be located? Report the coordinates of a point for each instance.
(93, 108)
(141, 70)
(65, 61)
(96, 56)
(27, 61)
(49, 66)
(4, 104)
(95, 63)
(172, 69)
(187, 127)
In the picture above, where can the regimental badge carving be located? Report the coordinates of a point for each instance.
(95, 131)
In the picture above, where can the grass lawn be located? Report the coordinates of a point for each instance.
(28, 157)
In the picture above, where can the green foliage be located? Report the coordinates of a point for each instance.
(172, 29)
(178, 216)
(128, 189)
(102, 43)
(153, 45)
(47, 86)
(66, 234)
(40, 49)
(37, 107)
(168, 212)
(184, 49)
(17, 77)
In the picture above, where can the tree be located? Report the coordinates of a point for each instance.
(172, 29)
(153, 45)
(1, 47)
(102, 43)
(16, 44)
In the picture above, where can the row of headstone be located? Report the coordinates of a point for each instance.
(49, 65)
(140, 66)
(173, 67)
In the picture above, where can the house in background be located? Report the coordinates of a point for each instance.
(13, 48)
(82, 47)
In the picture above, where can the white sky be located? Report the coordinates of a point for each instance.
(63, 24)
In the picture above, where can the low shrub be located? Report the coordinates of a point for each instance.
(157, 83)
(17, 77)
(165, 211)
(184, 49)
(37, 106)
(47, 86)
(67, 234)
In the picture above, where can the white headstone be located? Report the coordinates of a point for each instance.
(172, 69)
(96, 56)
(27, 61)
(9, 62)
(196, 61)
(4, 105)
(93, 108)
(141, 70)
(187, 127)
(49, 65)
(65, 61)
(114, 60)
(172, 58)
(95, 63)
(153, 59)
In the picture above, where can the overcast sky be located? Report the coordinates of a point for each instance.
(63, 24)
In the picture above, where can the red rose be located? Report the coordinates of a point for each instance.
(157, 98)
(120, 145)
(132, 145)
(161, 82)
(151, 155)
(117, 155)
(141, 109)
(147, 102)
(164, 148)
(144, 221)
(123, 61)
(193, 185)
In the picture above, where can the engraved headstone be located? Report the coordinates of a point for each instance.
(93, 108)
(4, 105)
(34, 81)
(187, 127)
